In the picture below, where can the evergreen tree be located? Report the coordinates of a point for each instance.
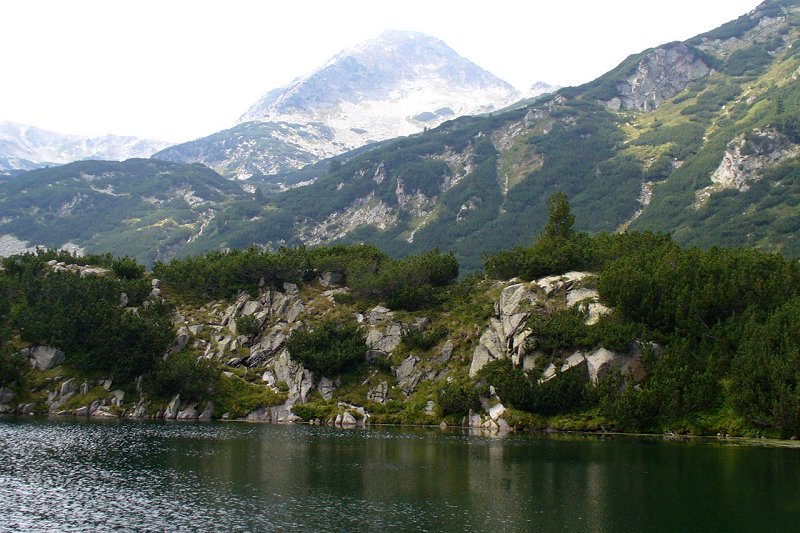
(560, 218)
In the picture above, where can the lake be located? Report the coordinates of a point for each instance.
(70, 475)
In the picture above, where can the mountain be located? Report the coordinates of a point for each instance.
(26, 147)
(140, 207)
(397, 84)
(696, 138)
(699, 139)
(398, 80)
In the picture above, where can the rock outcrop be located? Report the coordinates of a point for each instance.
(81, 270)
(43, 357)
(660, 74)
(596, 364)
(744, 159)
(508, 337)
(507, 333)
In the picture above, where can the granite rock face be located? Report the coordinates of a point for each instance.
(660, 74)
(44, 357)
(507, 335)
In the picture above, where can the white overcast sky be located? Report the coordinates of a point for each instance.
(181, 69)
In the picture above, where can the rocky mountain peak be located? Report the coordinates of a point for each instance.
(416, 71)
(396, 84)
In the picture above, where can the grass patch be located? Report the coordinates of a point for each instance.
(584, 421)
(315, 410)
(239, 398)
(80, 400)
(524, 421)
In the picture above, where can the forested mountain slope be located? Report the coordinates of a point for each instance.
(696, 138)
(139, 207)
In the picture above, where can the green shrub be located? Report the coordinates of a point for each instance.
(407, 283)
(614, 333)
(562, 393)
(564, 328)
(344, 298)
(12, 368)
(223, 274)
(458, 398)
(238, 398)
(83, 317)
(314, 411)
(766, 371)
(355, 262)
(137, 290)
(422, 340)
(329, 348)
(556, 250)
(127, 268)
(510, 383)
(524, 421)
(410, 297)
(185, 374)
(747, 61)
(247, 325)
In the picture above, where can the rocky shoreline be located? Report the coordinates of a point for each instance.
(260, 355)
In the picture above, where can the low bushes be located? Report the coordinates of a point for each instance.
(329, 348)
(185, 374)
(458, 398)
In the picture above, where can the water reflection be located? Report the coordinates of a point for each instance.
(70, 475)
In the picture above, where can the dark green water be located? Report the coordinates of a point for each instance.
(65, 475)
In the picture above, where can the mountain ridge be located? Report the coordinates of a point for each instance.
(24, 147)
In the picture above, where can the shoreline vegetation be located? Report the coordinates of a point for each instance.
(619, 333)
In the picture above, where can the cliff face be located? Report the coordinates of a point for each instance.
(659, 75)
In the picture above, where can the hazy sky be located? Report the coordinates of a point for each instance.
(180, 69)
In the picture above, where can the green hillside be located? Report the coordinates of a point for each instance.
(140, 207)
